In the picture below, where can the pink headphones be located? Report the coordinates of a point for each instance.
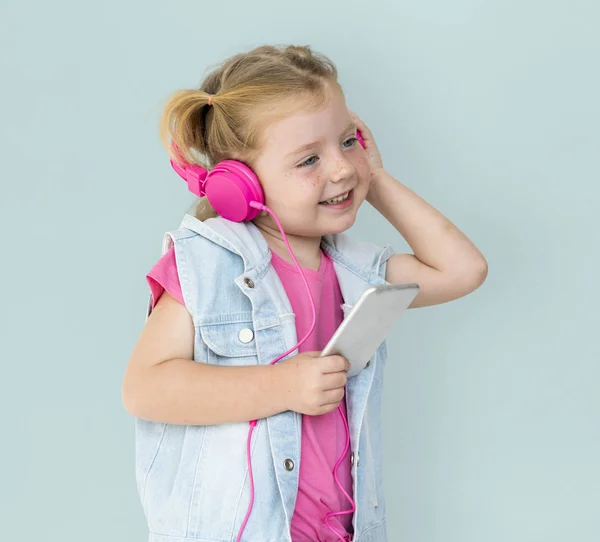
(231, 187)
(235, 193)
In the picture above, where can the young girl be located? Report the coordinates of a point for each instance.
(230, 445)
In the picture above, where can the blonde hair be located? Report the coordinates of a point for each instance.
(247, 90)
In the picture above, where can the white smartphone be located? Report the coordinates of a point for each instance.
(369, 322)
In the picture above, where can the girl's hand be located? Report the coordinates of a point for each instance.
(375, 160)
(313, 385)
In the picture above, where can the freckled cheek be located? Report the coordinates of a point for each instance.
(306, 185)
(297, 188)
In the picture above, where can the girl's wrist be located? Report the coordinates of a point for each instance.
(281, 385)
(379, 179)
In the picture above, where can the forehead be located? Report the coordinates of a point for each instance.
(297, 119)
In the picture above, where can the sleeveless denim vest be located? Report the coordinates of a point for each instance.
(193, 480)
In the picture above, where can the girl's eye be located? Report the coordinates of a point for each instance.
(308, 162)
(351, 140)
(312, 160)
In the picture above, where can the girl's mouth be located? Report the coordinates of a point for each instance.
(340, 202)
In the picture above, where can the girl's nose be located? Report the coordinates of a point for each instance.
(343, 170)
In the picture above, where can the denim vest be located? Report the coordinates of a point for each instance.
(193, 480)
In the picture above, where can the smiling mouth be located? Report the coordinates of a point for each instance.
(337, 199)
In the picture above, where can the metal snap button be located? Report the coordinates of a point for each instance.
(248, 282)
(288, 464)
(352, 458)
(246, 335)
(357, 458)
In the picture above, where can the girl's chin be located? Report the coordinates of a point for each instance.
(340, 224)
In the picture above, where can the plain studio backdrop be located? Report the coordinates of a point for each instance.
(487, 109)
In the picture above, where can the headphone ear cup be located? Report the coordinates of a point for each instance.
(230, 187)
(360, 139)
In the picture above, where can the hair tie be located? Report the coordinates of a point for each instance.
(210, 97)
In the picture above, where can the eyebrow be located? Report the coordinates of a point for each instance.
(314, 143)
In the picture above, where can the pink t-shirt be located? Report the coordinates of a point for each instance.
(323, 437)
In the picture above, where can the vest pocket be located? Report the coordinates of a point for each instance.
(232, 343)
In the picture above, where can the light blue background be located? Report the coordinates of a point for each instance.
(489, 110)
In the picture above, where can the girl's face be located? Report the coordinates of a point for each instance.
(308, 158)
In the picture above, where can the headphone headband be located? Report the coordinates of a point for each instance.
(193, 175)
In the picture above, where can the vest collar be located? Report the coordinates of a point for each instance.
(361, 259)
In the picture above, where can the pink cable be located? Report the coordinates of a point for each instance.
(312, 327)
(253, 422)
(353, 506)
(312, 303)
